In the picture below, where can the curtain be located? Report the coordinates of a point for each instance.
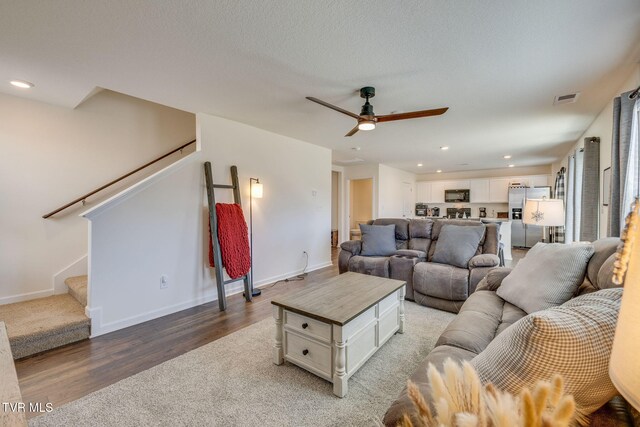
(590, 200)
(623, 108)
(558, 193)
(631, 186)
(577, 194)
(568, 232)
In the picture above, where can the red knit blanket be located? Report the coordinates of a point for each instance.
(234, 240)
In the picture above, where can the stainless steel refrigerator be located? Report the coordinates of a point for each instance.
(524, 235)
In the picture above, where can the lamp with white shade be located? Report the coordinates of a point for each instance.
(624, 367)
(544, 212)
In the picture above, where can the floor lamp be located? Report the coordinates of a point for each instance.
(544, 212)
(255, 191)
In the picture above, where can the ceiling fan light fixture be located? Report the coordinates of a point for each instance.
(366, 125)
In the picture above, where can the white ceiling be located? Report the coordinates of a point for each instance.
(496, 64)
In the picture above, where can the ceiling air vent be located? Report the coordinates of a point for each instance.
(566, 99)
(350, 161)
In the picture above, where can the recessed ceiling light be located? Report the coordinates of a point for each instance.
(508, 156)
(511, 166)
(419, 165)
(22, 84)
(439, 170)
(444, 148)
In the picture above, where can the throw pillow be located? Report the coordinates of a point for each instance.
(573, 340)
(547, 276)
(378, 240)
(457, 244)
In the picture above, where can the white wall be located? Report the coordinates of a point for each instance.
(602, 127)
(392, 183)
(50, 156)
(161, 229)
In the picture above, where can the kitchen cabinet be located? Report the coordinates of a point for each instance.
(437, 191)
(423, 192)
(479, 189)
(457, 185)
(499, 190)
(483, 190)
(539, 181)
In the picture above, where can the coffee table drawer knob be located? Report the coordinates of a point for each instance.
(305, 325)
(305, 351)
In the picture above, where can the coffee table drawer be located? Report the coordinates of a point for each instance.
(307, 326)
(309, 354)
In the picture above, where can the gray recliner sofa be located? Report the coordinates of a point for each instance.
(437, 285)
(485, 315)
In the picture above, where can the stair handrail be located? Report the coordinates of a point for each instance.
(115, 181)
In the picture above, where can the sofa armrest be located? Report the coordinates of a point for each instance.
(353, 246)
(484, 260)
(411, 253)
(493, 279)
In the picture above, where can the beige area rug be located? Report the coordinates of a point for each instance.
(233, 382)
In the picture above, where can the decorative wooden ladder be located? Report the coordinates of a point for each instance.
(213, 224)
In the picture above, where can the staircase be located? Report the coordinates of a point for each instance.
(45, 323)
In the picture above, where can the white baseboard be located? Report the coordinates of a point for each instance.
(272, 279)
(26, 296)
(98, 328)
(76, 268)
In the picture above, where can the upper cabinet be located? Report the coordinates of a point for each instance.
(423, 192)
(499, 190)
(437, 191)
(479, 190)
(483, 190)
(540, 181)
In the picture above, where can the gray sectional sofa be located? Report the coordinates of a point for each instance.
(485, 315)
(434, 284)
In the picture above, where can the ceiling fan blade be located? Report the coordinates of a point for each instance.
(412, 115)
(352, 131)
(333, 107)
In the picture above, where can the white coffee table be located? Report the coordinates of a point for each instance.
(332, 329)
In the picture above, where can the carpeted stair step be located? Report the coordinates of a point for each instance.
(42, 324)
(78, 288)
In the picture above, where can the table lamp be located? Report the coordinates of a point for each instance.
(544, 212)
(624, 366)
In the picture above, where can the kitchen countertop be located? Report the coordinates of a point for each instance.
(472, 218)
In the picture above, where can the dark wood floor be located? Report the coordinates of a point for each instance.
(73, 371)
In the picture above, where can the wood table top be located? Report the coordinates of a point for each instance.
(340, 298)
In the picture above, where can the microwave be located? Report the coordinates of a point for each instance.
(456, 196)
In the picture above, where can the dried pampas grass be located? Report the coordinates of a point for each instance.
(460, 400)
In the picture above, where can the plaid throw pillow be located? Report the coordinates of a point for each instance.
(573, 340)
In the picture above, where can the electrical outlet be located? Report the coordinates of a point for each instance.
(164, 282)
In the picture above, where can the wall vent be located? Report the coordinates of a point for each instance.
(566, 99)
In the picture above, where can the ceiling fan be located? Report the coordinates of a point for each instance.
(367, 119)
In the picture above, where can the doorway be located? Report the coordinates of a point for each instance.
(360, 205)
(335, 208)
